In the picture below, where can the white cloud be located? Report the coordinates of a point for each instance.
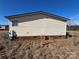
(75, 20)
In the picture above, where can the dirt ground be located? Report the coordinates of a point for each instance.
(29, 48)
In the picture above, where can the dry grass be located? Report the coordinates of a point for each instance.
(27, 48)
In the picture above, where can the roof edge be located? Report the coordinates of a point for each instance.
(37, 12)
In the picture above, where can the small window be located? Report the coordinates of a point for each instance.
(14, 23)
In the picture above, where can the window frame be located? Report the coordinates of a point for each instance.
(14, 23)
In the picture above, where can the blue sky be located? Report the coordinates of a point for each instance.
(66, 8)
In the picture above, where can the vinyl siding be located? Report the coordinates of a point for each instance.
(39, 26)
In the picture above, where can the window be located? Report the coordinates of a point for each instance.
(14, 23)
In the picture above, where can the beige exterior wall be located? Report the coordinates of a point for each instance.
(41, 25)
(10, 28)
